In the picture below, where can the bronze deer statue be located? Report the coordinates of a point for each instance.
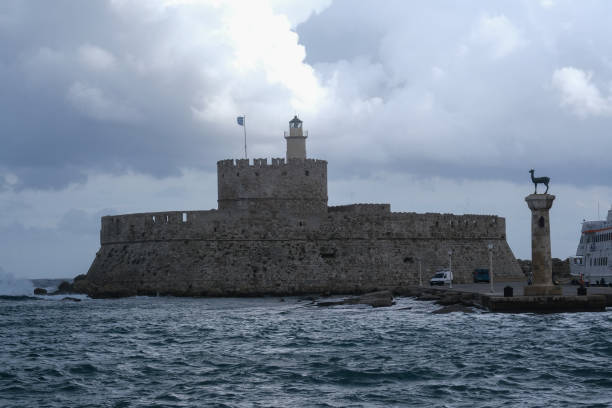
(539, 180)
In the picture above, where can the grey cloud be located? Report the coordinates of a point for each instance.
(464, 91)
(63, 118)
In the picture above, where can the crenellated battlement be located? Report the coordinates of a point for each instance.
(275, 163)
(155, 225)
(361, 208)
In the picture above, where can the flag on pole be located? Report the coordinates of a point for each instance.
(240, 121)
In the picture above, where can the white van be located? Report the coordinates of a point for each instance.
(441, 277)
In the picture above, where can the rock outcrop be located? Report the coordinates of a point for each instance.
(77, 286)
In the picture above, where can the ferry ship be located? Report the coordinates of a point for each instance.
(593, 260)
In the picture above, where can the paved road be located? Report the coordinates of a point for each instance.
(498, 288)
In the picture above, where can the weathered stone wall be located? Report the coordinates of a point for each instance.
(361, 208)
(293, 187)
(353, 248)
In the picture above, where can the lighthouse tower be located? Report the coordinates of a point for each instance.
(296, 140)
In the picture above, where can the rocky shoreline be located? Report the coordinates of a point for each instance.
(451, 301)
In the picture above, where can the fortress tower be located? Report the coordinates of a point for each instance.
(295, 187)
(296, 140)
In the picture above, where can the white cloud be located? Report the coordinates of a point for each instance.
(263, 40)
(298, 11)
(94, 103)
(547, 3)
(498, 34)
(239, 57)
(579, 94)
(96, 58)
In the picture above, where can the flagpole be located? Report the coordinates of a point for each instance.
(244, 128)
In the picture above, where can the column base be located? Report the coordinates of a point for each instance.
(542, 290)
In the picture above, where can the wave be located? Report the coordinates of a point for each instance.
(12, 286)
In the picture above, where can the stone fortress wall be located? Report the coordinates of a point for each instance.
(352, 248)
(273, 234)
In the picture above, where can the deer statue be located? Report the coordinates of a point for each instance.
(539, 180)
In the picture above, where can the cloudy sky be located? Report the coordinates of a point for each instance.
(118, 106)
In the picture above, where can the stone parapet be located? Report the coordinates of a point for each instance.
(361, 208)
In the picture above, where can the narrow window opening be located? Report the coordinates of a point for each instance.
(153, 219)
(307, 173)
(184, 217)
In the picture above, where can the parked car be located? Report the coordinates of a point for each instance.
(481, 275)
(441, 277)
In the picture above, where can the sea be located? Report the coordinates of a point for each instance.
(287, 352)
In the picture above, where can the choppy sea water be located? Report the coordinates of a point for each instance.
(176, 352)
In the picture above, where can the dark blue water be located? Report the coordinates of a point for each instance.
(172, 352)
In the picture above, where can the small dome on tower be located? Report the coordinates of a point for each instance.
(295, 123)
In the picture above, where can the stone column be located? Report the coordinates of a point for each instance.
(541, 261)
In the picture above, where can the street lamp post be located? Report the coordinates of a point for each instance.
(450, 266)
(490, 246)
(420, 275)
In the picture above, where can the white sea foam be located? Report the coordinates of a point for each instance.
(12, 286)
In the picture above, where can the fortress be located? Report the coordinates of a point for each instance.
(274, 234)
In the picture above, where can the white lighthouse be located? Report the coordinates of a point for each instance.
(296, 140)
